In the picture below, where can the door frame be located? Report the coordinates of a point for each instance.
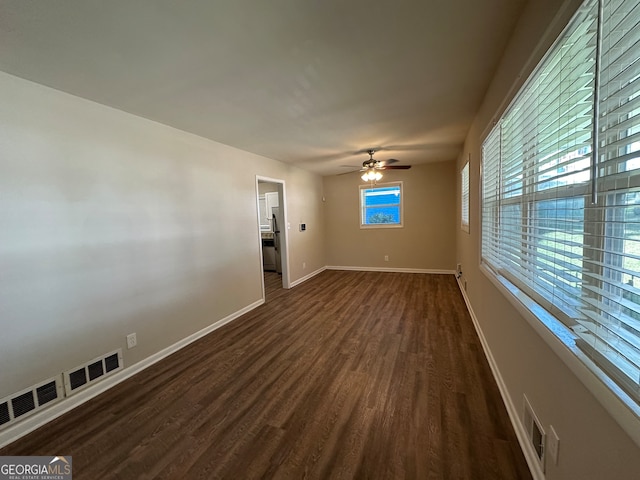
(284, 230)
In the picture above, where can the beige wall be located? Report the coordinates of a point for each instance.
(592, 443)
(112, 224)
(305, 206)
(427, 240)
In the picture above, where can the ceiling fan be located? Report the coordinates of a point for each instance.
(382, 165)
(372, 167)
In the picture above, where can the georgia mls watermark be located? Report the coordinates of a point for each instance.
(35, 468)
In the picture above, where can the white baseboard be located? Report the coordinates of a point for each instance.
(307, 277)
(527, 448)
(385, 269)
(67, 404)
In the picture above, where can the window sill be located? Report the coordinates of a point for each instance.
(563, 342)
(380, 225)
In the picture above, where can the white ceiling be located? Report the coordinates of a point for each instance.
(307, 82)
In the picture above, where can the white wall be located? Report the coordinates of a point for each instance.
(112, 224)
(592, 444)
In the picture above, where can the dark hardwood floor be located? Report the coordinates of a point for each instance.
(348, 375)
(273, 285)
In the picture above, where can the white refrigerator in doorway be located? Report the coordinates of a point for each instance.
(277, 225)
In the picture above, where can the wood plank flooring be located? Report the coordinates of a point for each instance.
(273, 285)
(348, 375)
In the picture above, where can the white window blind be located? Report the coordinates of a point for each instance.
(464, 198)
(540, 229)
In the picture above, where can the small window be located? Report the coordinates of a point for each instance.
(381, 205)
(464, 198)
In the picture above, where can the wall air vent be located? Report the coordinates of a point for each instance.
(47, 393)
(4, 413)
(535, 432)
(92, 371)
(24, 403)
(113, 361)
(30, 400)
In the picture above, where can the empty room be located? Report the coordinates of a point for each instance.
(301, 239)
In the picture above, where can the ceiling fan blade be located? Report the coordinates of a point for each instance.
(396, 167)
(384, 163)
(350, 171)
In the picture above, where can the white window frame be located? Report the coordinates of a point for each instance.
(363, 188)
(464, 198)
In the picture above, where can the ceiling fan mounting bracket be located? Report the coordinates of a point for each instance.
(371, 163)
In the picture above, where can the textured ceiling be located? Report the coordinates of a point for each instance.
(306, 82)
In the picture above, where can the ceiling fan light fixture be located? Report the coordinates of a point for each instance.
(371, 175)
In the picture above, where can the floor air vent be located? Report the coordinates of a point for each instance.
(29, 401)
(79, 377)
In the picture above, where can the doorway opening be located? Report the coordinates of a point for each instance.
(273, 234)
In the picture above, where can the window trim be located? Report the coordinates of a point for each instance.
(369, 226)
(465, 193)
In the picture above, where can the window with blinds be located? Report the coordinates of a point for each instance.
(560, 208)
(464, 198)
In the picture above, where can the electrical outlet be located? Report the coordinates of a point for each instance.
(386, 258)
(132, 340)
(304, 265)
(554, 444)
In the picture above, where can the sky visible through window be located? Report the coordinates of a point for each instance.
(381, 205)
